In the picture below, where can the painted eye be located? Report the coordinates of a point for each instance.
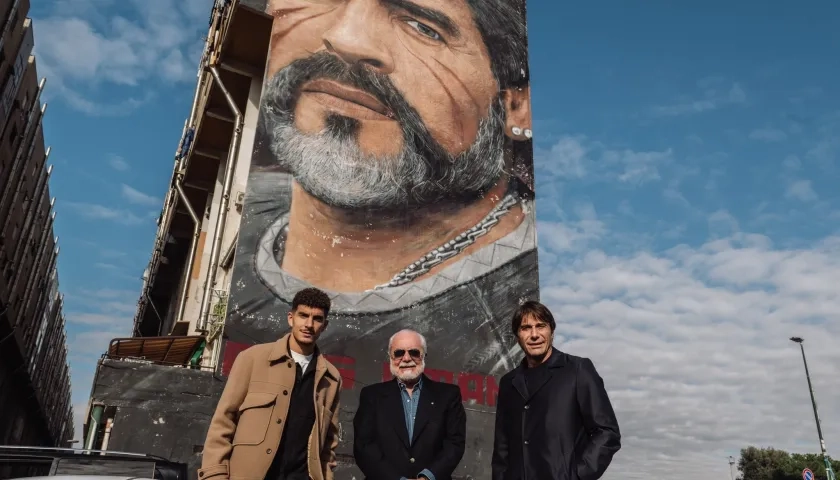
(424, 30)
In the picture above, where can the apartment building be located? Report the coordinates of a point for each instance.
(155, 391)
(35, 406)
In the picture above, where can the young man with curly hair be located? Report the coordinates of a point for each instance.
(277, 418)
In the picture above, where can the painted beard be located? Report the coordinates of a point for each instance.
(331, 167)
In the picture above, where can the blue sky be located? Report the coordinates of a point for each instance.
(686, 160)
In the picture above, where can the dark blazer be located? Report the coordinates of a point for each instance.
(563, 429)
(381, 445)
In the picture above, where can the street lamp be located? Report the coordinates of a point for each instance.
(828, 469)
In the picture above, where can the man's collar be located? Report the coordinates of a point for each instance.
(417, 386)
(556, 360)
(280, 350)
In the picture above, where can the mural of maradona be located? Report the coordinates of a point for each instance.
(393, 169)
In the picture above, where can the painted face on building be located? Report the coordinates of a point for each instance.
(382, 104)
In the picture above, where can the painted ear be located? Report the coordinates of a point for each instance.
(518, 113)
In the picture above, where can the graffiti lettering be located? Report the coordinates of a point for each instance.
(345, 366)
(475, 388)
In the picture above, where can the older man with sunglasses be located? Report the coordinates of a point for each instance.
(410, 427)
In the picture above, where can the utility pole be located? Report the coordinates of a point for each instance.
(731, 463)
(828, 470)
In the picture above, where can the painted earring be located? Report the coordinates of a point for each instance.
(516, 131)
(528, 133)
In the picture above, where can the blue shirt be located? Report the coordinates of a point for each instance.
(410, 401)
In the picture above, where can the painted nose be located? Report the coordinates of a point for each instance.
(357, 36)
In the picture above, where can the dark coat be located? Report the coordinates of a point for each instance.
(380, 442)
(563, 429)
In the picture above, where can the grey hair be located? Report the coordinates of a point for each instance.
(405, 330)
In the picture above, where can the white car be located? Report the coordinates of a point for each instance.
(44, 463)
(84, 477)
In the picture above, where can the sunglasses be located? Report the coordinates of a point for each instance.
(413, 353)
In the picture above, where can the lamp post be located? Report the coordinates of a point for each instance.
(828, 470)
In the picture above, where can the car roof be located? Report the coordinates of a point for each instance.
(83, 477)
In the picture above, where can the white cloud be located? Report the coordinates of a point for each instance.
(106, 266)
(566, 158)
(714, 97)
(768, 135)
(87, 43)
(723, 222)
(125, 53)
(103, 307)
(98, 109)
(576, 156)
(801, 190)
(98, 319)
(792, 163)
(105, 293)
(693, 345)
(118, 163)
(94, 211)
(94, 319)
(639, 167)
(569, 237)
(827, 149)
(139, 198)
(736, 94)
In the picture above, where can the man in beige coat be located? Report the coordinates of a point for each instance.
(277, 418)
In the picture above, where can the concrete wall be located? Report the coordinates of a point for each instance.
(160, 410)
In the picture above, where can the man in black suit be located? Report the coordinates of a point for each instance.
(410, 427)
(554, 420)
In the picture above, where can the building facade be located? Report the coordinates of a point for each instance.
(220, 280)
(35, 405)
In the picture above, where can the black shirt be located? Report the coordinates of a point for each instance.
(290, 461)
(534, 376)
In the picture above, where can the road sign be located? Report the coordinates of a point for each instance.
(807, 474)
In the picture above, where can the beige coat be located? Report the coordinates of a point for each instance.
(246, 428)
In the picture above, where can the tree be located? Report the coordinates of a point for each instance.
(772, 464)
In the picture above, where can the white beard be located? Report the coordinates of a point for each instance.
(407, 377)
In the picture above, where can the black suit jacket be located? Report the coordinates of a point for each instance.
(381, 445)
(562, 428)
